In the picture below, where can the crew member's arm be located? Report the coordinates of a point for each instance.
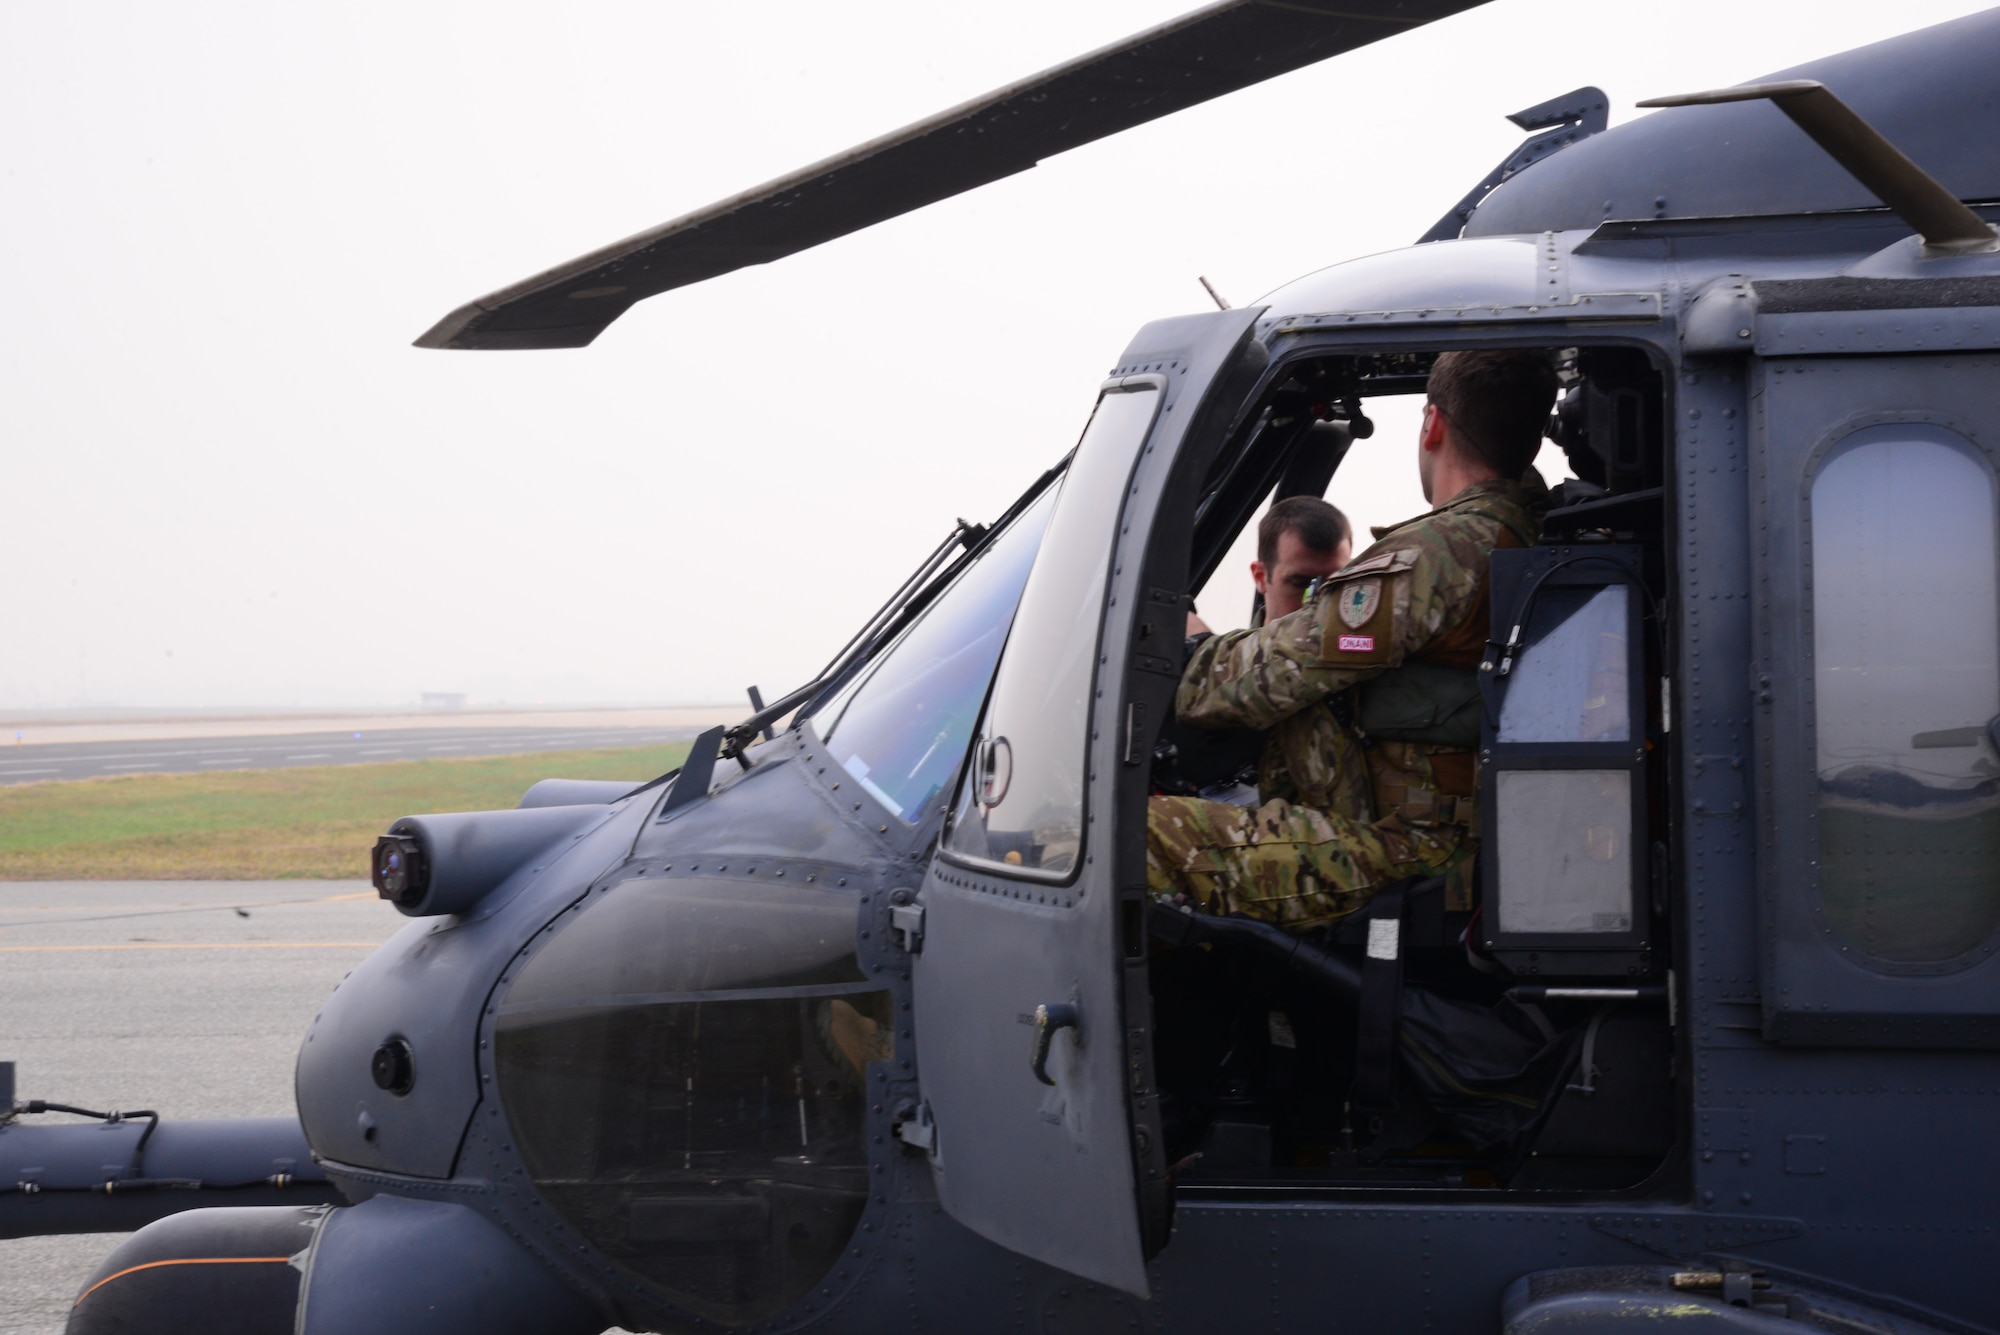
(1361, 622)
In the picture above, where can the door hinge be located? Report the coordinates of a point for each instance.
(1135, 732)
(907, 922)
(914, 1126)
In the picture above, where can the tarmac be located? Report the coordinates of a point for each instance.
(190, 997)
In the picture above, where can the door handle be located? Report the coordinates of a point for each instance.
(1048, 1019)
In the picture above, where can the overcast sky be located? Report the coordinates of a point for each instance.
(230, 480)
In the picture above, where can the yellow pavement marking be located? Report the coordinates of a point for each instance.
(199, 945)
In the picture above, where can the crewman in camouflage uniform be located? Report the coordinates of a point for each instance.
(1370, 691)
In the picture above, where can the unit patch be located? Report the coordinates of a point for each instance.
(1358, 620)
(1357, 603)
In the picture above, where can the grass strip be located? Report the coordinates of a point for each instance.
(316, 822)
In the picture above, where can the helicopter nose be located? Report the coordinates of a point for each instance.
(388, 1266)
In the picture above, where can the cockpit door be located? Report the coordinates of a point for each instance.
(1032, 1016)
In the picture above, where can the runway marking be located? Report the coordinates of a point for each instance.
(245, 744)
(178, 908)
(266, 752)
(195, 945)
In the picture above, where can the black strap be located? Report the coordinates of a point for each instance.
(1381, 1002)
(1185, 927)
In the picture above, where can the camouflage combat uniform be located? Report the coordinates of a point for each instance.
(1345, 810)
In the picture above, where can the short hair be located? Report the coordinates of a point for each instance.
(1319, 525)
(1498, 400)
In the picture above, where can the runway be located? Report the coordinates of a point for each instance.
(161, 995)
(52, 761)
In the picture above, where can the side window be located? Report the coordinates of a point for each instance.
(1571, 684)
(901, 729)
(1023, 806)
(1906, 682)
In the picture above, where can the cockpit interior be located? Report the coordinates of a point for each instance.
(1518, 1037)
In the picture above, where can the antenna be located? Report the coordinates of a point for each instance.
(1918, 198)
(1221, 302)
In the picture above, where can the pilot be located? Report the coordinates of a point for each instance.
(1370, 690)
(1299, 539)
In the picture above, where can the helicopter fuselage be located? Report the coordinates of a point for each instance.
(873, 1025)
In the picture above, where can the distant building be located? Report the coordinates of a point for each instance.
(436, 700)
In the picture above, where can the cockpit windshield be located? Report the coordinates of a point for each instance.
(901, 728)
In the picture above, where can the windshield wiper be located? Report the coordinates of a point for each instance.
(910, 598)
(962, 535)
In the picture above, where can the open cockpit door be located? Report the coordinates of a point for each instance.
(1032, 1015)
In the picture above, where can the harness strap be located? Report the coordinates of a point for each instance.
(1381, 1002)
(1438, 809)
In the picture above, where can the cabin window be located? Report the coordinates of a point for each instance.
(1572, 683)
(1906, 679)
(1564, 841)
(1023, 804)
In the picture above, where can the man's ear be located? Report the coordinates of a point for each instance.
(1432, 436)
(1258, 576)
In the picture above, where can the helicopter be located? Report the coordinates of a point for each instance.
(863, 1019)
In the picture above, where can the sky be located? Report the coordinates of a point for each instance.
(229, 480)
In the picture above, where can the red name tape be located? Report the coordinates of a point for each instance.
(1357, 644)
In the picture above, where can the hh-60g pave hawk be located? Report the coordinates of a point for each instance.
(855, 1026)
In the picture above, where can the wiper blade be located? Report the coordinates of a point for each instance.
(740, 736)
(910, 597)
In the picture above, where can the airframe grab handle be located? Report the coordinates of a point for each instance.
(1048, 1019)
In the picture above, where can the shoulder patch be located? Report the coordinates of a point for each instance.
(1361, 600)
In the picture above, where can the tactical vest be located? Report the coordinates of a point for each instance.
(1433, 698)
(1421, 702)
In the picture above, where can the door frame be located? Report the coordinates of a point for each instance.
(996, 946)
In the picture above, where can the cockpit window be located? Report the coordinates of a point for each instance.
(901, 729)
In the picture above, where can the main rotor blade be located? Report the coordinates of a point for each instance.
(1182, 63)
